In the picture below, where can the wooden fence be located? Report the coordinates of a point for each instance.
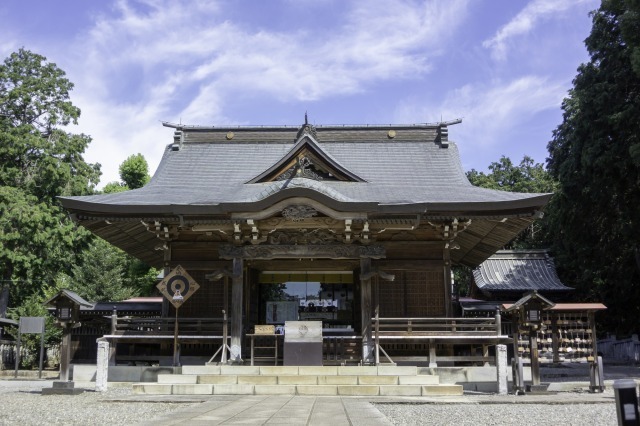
(622, 350)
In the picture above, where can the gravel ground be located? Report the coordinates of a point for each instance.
(499, 414)
(23, 404)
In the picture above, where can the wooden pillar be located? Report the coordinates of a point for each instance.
(366, 312)
(447, 282)
(237, 287)
(114, 328)
(65, 353)
(166, 271)
(555, 338)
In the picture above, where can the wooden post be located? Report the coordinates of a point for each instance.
(365, 314)
(377, 336)
(555, 343)
(114, 328)
(236, 310)
(176, 344)
(447, 282)
(166, 271)
(65, 353)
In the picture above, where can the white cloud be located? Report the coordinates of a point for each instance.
(183, 60)
(525, 21)
(489, 112)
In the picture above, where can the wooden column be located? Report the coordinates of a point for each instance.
(366, 312)
(65, 353)
(555, 339)
(447, 282)
(167, 270)
(237, 288)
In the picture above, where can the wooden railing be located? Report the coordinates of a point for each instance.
(164, 326)
(437, 326)
(433, 331)
(156, 330)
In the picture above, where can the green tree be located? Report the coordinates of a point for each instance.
(595, 156)
(35, 93)
(134, 173)
(38, 162)
(101, 273)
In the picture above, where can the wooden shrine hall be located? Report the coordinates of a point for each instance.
(353, 227)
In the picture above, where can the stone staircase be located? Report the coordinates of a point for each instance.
(290, 380)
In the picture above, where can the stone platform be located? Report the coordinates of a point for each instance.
(289, 380)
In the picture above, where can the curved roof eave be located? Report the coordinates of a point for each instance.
(510, 207)
(536, 202)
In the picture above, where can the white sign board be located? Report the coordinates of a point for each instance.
(303, 331)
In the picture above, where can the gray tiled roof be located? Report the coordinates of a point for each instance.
(414, 168)
(518, 270)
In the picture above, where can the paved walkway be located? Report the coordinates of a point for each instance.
(277, 410)
(334, 410)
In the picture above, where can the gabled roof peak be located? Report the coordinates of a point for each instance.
(306, 159)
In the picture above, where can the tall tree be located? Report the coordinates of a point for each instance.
(38, 162)
(595, 155)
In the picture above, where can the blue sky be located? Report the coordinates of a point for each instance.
(503, 66)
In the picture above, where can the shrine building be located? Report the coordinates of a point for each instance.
(339, 224)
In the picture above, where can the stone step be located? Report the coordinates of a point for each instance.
(301, 370)
(260, 389)
(214, 379)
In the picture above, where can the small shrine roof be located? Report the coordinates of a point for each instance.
(518, 270)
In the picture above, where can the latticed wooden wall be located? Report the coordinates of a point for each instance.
(413, 294)
(208, 301)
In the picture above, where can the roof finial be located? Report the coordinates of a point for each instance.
(306, 120)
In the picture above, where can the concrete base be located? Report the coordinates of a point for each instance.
(62, 388)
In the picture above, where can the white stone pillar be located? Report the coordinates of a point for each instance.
(501, 368)
(102, 365)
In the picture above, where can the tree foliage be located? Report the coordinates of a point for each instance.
(35, 92)
(101, 273)
(595, 156)
(38, 162)
(134, 173)
(528, 176)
